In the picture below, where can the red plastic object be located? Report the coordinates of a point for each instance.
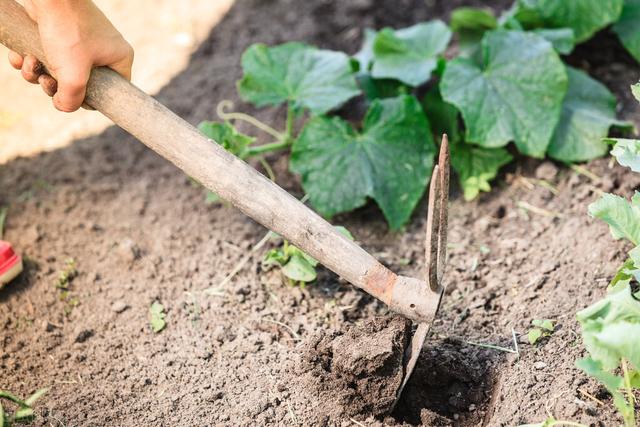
(10, 263)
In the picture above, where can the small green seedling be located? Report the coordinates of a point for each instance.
(296, 266)
(68, 273)
(542, 328)
(24, 413)
(63, 283)
(157, 317)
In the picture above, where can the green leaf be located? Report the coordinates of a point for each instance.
(157, 317)
(586, 17)
(443, 116)
(227, 136)
(23, 414)
(594, 369)
(12, 397)
(608, 328)
(389, 161)
(622, 216)
(35, 396)
(627, 27)
(635, 90)
(547, 325)
(303, 76)
(472, 18)
(274, 257)
(562, 39)
(534, 335)
(626, 152)
(477, 166)
(588, 111)
(342, 230)
(299, 269)
(514, 95)
(411, 54)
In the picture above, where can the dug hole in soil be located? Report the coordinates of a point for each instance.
(256, 351)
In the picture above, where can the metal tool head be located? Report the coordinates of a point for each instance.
(436, 256)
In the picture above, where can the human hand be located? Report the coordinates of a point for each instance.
(76, 36)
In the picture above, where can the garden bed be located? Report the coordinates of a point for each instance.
(256, 351)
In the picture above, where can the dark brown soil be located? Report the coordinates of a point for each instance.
(256, 351)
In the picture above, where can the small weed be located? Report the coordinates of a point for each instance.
(63, 284)
(157, 317)
(24, 413)
(298, 267)
(68, 273)
(541, 328)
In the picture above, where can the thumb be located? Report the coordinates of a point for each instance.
(72, 86)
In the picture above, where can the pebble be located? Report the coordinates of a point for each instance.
(539, 365)
(546, 170)
(119, 306)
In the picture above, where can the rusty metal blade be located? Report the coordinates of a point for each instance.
(435, 251)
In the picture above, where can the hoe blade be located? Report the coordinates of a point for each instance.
(436, 253)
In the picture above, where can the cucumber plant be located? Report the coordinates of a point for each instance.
(503, 82)
(611, 326)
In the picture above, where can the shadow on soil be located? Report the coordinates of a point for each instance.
(452, 380)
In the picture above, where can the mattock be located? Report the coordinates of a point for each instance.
(255, 195)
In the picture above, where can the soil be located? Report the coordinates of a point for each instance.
(255, 351)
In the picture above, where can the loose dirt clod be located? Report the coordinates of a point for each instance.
(360, 370)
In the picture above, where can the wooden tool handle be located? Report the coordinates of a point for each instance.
(226, 175)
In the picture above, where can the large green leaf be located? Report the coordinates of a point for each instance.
(476, 166)
(622, 216)
(627, 27)
(305, 77)
(409, 54)
(389, 161)
(588, 111)
(514, 95)
(584, 16)
(627, 152)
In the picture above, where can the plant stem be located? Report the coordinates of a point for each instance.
(223, 105)
(267, 168)
(630, 419)
(290, 120)
(266, 148)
